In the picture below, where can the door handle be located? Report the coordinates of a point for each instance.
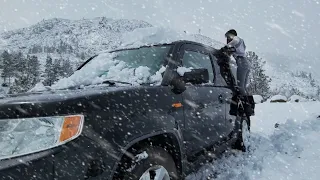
(198, 109)
(201, 106)
(220, 98)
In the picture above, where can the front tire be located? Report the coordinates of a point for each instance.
(158, 165)
(242, 134)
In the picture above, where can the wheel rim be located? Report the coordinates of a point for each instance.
(155, 173)
(245, 134)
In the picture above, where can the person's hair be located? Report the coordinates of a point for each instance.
(231, 31)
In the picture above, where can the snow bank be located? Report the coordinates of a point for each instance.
(267, 114)
(278, 98)
(258, 99)
(292, 149)
(38, 87)
(296, 98)
(291, 152)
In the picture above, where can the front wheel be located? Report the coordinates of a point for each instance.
(243, 134)
(157, 164)
(156, 172)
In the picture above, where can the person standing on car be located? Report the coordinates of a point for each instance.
(238, 51)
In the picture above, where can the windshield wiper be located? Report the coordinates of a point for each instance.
(112, 82)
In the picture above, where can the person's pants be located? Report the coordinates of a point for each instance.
(243, 71)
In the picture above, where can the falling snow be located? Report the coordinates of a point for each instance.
(284, 141)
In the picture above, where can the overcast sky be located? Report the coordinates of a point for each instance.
(285, 26)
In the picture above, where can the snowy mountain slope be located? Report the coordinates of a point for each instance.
(76, 36)
(75, 39)
(290, 151)
(293, 63)
(285, 73)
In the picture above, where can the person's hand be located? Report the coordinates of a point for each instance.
(225, 48)
(236, 90)
(231, 49)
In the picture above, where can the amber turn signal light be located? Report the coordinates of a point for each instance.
(177, 105)
(72, 125)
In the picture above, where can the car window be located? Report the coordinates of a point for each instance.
(197, 60)
(151, 57)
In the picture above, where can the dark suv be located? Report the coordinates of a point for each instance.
(152, 112)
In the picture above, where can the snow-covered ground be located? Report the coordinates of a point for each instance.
(291, 151)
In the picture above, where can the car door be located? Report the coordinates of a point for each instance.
(227, 93)
(204, 108)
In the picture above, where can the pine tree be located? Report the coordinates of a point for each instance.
(33, 65)
(318, 92)
(1, 62)
(56, 69)
(8, 68)
(259, 81)
(21, 82)
(16, 58)
(313, 83)
(82, 56)
(66, 68)
(48, 73)
(27, 74)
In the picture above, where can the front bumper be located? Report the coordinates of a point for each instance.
(82, 158)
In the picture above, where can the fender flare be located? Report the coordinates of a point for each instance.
(175, 132)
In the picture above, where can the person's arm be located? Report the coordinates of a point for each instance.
(234, 41)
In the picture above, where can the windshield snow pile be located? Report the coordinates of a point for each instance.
(134, 66)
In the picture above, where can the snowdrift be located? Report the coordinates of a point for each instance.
(278, 98)
(257, 99)
(296, 98)
(291, 152)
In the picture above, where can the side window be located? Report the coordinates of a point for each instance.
(197, 60)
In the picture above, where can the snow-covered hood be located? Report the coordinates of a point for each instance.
(58, 95)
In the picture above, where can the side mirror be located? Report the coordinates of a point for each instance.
(179, 86)
(196, 76)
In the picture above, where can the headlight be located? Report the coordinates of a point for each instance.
(24, 136)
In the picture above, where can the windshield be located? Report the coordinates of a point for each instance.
(135, 66)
